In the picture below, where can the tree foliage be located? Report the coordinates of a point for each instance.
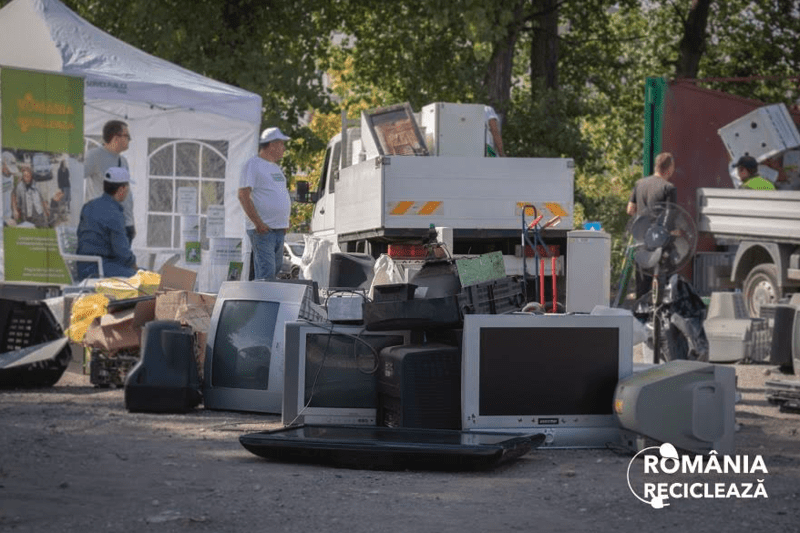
(566, 75)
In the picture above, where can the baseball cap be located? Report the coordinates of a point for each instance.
(118, 175)
(272, 134)
(10, 162)
(747, 162)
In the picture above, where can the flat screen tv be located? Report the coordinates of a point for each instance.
(553, 374)
(243, 369)
(331, 374)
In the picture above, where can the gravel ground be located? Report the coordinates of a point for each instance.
(73, 459)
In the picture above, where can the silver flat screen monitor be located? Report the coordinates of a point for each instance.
(553, 374)
(331, 372)
(243, 369)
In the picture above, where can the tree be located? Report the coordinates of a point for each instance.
(275, 49)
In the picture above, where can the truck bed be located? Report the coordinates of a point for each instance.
(746, 214)
(404, 192)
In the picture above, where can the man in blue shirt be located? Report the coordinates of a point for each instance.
(101, 230)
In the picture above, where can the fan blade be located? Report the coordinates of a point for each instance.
(648, 258)
(640, 225)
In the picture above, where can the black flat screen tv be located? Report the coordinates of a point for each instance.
(554, 374)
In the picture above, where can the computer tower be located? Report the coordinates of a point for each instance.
(419, 386)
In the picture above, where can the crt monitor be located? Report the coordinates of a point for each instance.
(552, 374)
(243, 368)
(331, 372)
(688, 404)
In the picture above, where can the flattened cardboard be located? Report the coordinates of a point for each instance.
(177, 279)
(189, 308)
(113, 331)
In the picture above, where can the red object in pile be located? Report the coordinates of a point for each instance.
(407, 251)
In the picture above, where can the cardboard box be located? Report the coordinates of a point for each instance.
(189, 308)
(123, 329)
(114, 331)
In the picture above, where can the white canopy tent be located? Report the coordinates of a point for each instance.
(187, 130)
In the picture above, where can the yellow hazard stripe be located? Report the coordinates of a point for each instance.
(429, 208)
(556, 209)
(401, 208)
(529, 211)
(415, 208)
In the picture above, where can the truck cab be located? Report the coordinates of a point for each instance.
(324, 216)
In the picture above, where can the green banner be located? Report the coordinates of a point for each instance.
(31, 254)
(42, 111)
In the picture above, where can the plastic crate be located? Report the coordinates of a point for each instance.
(109, 370)
(493, 297)
(760, 341)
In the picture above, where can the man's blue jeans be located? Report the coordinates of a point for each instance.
(267, 252)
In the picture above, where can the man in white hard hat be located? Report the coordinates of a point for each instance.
(101, 230)
(265, 200)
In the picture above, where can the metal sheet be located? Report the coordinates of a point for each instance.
(771, 215)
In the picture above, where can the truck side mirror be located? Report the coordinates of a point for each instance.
(302, 192)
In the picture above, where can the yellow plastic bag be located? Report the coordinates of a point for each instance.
(143, 283)
(84, 310)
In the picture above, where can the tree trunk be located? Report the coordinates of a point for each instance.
(693, 42)
(544, 44)
(499, 70)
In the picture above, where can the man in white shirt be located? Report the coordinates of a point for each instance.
(265, 200)
(494, 141)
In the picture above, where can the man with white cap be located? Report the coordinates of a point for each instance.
(265, 200)
(101, 230)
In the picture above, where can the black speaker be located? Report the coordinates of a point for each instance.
(419, 386)
(781, 353)
(351, 270)
(165, 380)
(29, 355)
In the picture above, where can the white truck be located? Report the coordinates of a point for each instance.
(388, 181)
(764, 229)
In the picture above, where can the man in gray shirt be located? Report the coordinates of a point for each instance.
(116, 138)
(646, 193)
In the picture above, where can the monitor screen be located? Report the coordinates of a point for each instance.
(243, 344)
(244, 351)
(553, 373)
(578, 376)
(331, 372)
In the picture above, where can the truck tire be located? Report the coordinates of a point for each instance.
(295, 273)
(761, 287)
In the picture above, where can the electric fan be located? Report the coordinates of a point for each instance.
(665, 240)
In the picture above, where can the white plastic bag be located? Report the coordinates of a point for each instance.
(316, 260)
(386, 273)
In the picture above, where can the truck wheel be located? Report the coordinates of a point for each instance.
(761, 287)
(295, 272)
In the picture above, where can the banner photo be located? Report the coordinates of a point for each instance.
(42, 143)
